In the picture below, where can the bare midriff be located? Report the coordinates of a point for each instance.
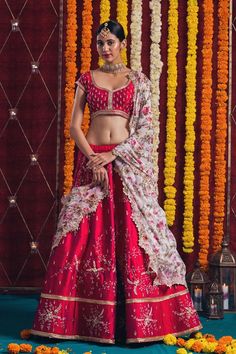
(105, 129)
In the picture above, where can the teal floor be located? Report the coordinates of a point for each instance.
(16, 313)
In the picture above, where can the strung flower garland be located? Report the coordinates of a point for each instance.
(136, 31)
(205, 134)
(221, 124)
(190, 117)
(155, 73)
(122, 13)
(86, 39)
(70, 77)
(170, 152)
(105, 10)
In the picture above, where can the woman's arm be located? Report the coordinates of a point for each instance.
(100, 176)
(76, 132)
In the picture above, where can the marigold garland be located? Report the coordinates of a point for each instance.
(105, 9)
(122, 13)
(221, 125)
(190, 117)
(86, 40)
(136, 32)
(155, 73)
(205, 134)
(170, 152)
(70, 77)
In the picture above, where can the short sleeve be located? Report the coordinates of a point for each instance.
(82, 82)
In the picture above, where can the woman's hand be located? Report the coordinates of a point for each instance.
(100, 177)
(100, 159)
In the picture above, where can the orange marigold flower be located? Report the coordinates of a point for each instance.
(220, 349)
(55, 350)
(180, 342)
(25, 348)
(13, 348)
(42, 349)
(225, 340)
(25, 333)
(197, 346)
(208, 335)
(211, 339)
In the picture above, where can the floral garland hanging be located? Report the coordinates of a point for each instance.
(136, 31)
(87, 22)
(122, 14)
(70, 77)
(105, 10)
(205, 135)
(170, 153)
(155, 73)
(221, 124)
(190, 114)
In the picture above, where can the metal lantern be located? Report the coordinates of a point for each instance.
(197, 281)
(223, 268)
(214, 301)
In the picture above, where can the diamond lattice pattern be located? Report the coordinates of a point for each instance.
(28, 138)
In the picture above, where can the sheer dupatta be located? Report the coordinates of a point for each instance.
(135, 166)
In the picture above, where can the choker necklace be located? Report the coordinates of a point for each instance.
(112, 68)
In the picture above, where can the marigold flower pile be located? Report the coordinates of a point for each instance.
(202, 343)
(14, 348)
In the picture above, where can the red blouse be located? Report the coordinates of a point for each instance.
(103, 101)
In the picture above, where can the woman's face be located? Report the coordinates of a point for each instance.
(109, 48)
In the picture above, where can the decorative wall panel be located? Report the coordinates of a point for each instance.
(30, 59)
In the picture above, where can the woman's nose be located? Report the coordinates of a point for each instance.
(105, 47)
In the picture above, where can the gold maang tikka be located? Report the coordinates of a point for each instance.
(105, 31)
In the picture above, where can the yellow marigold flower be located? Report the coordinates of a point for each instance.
(233, 343)
(189, 343)
(170, 339)
(181, 351)
(209, 347)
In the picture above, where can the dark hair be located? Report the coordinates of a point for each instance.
(115, 28)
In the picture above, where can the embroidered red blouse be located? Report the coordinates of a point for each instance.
(103, 101)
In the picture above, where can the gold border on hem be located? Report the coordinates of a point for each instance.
(111, 303)
(157, 299)
(62, 336)
(158, 338)
(79, 299)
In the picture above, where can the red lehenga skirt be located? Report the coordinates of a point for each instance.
(97, 287)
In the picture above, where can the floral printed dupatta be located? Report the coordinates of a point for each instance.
(135, 166)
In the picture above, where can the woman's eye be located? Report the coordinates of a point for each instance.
(110, 43)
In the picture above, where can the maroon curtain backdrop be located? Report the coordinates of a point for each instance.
(38, 128)
(29, 189)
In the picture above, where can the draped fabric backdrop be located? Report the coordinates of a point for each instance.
(30, 190)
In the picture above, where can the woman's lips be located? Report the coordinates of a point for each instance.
(106, 55)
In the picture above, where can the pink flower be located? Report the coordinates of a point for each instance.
(145, 110)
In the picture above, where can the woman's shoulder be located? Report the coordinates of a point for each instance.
(140, 76)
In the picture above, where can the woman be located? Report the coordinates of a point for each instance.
(114, 271)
